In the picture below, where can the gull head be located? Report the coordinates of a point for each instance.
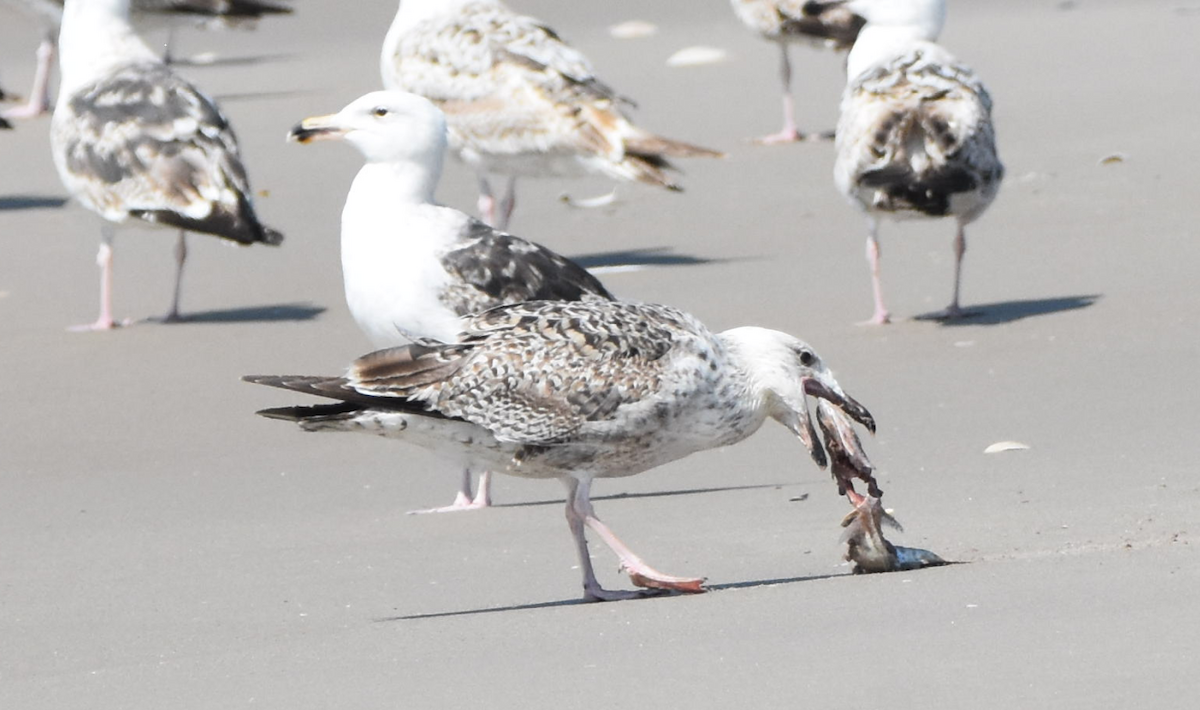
(784, 370)
(385, 126)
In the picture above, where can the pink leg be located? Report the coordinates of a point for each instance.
(881, 315)
(789, 133)
(39, 94)
(579, 514)
(463, 500)
(487, 201)
(953, 310)
(104, 261)
(960, 248)
(507, 203)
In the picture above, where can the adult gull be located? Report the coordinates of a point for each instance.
(411, 267)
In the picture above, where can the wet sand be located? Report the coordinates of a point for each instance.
(162, 547)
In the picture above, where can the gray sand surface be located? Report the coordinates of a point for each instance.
(162, 547)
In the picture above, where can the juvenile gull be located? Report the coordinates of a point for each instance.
(131, 140)
(915, 137)
(579, 391)
(412, 267)
(519, 100)
(818, 24)
(145, 13)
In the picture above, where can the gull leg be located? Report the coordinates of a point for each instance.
(483, 494)
(507, 203)
(104, 261)
(181, 253)
(463, 500)
(789, 133)
(592, 591)
(881, 315)
(39, 93)
(166, 55)
(953, 311)
(487, 201)
(579, 513)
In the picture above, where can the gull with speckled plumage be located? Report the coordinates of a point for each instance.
(581, 391)
(134, 142)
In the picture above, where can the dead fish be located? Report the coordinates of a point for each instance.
(869, 550)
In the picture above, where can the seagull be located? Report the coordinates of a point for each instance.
(915, 137)
(146, 14)
(412, 267)
(519, 100)
(578, 391)
(132, 140)
(818, 24)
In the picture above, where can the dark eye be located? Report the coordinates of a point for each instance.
(806, 357)
(380, 111)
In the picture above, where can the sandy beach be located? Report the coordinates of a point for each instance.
(163, 547)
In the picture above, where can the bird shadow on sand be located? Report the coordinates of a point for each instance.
(639, 258)
(1002, 312)
(710, 588)
(260, 314)
(654, 494)
(30, 202)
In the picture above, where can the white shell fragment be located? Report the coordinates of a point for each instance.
(697, 56)
(1005, 446)
(633, 29)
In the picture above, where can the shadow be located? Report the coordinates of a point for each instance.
(30, 202)
(203, 60)
(249, 314)
(749, 584)
(656, 494)
(1009, 311)
(650, 256)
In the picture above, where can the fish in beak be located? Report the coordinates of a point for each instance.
(849, 460)
(317, 128)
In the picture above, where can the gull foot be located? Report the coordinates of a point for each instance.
(878, 319)
(461, 503)
(599, 594)
(99, 325)
(687, 585)
(787, 135)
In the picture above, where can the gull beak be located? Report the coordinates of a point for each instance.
(834, 394)
(317, 128)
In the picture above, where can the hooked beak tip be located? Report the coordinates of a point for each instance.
(315, 129)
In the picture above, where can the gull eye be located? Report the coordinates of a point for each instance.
(807, 357)
(379, 112)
